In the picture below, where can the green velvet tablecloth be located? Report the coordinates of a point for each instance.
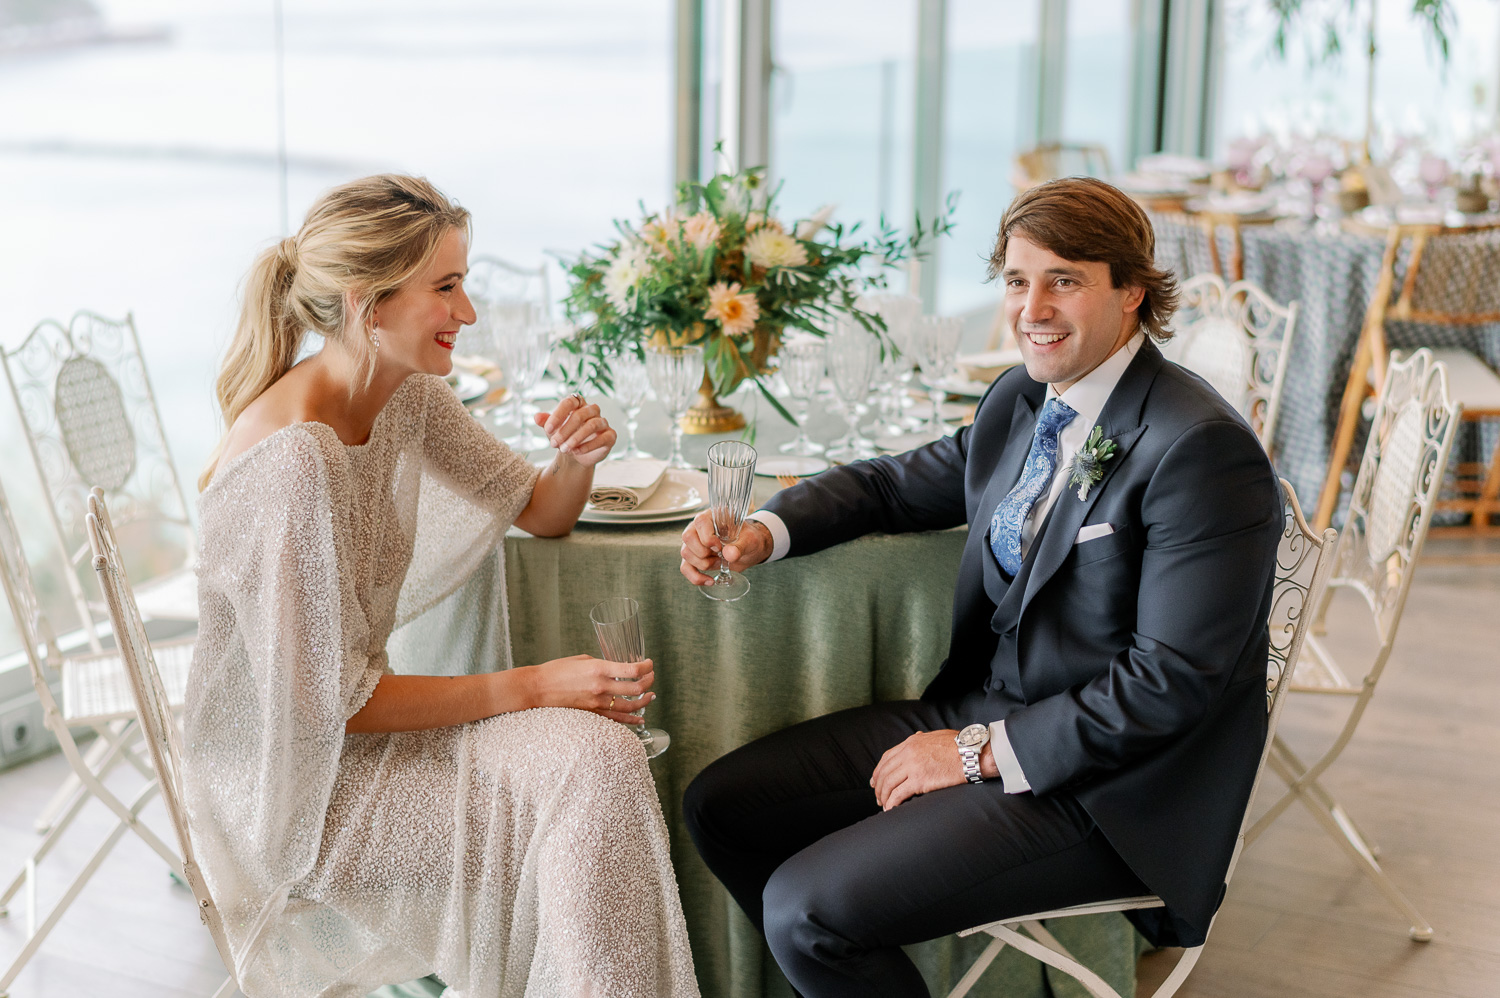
(865, 621)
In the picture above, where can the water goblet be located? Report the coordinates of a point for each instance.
(801, 366)
(853, 354)
(617, 628)
(731, 475)
(630, 387)
(524, 345)
(675, 374)
(936, 341)
(900, 313)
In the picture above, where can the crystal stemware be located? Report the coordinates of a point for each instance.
(631, 385)
(853, 353)
(675, 374)
(731, 475)
(801, 366)
(524, 343)
(936, 341)
(617, 627)
(900, 313)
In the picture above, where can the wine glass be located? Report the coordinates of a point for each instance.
(630, 387)
(936, 341)
(617, 627)
(731, 474)
(524, 344)
(900, 313)
(801, 366)
(675, 374)
(853, 353)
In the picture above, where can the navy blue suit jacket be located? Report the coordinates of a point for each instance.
(1135, 663)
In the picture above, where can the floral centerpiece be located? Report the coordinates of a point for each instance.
(721, 270)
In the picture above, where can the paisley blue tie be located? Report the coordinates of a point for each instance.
(1036, 478)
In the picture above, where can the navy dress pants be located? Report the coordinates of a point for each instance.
(789, 824)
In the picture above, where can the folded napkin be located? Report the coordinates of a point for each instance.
(620, 486)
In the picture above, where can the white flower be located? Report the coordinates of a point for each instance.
(770, 249)
(623, 275)
(809, 227)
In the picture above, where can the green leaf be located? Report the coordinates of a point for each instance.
(775, 404)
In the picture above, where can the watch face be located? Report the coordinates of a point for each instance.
(972, 735)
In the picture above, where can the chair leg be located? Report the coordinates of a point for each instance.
(107, 752)
(971, 977)
(1059, 958)
(225, 990)
(1185, 964)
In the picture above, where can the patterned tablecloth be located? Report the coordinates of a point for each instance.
(1332, 275)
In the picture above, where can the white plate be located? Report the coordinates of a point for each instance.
(961, 386)
(790, 465)
(682, 493)
(468, 386)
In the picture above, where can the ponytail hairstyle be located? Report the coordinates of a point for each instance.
(360, 242)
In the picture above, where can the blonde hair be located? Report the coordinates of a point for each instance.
(360, 242)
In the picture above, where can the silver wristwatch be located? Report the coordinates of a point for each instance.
(971, 741)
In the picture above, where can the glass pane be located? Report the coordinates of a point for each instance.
(989, 115)
(1096, 84)
(841, 108)
(1414, 95)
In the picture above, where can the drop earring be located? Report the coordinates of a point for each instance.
(375, 338)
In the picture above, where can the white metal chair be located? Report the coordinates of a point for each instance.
(91, 420)
(1389, 513)
(154, 710)
(94, 694)
(1238, 339)
(1302, 566)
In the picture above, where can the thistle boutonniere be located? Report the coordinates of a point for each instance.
(1088, 463)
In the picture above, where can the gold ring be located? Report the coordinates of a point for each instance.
(611, 704)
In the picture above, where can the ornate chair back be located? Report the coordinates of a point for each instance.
(37, 638)
(153, 708)
(91, 419)
(1395, 493)
(1238, 339)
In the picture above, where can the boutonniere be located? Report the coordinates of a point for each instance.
(1088, 463)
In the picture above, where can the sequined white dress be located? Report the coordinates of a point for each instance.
(522, 855)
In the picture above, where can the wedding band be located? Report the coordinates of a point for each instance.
(578, 396)
(611, 704)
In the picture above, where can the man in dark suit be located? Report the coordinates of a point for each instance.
(1095, 729)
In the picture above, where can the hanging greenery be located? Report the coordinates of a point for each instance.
(1331, 21)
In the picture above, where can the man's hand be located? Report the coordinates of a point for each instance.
(926, 761)
(700, 548)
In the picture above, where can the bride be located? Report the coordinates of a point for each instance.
(360, 828)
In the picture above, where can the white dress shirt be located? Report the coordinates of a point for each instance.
(1087, 398)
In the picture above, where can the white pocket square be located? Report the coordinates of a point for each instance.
(1092, 531)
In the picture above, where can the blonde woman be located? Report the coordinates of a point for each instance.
(357, 827)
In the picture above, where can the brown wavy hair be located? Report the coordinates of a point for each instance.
(1080, 218)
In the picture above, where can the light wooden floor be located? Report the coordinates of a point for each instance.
(1422, 776)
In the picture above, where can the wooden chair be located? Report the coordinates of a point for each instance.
(153, 707)
(1211, 222)
(1238, 339)
(1389, 513)
(1301, 571)
(95, 695)
(1445, 286)
(1052, 160)
(90, 418)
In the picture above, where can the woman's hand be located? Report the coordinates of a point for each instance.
(577, 429)
(593, 684)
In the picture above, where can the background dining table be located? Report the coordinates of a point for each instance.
(861, 622)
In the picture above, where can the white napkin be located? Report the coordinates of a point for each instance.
(620, 486)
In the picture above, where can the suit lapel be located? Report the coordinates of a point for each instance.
(1121, 420)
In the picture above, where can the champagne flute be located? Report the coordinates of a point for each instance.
(731, 474)
(631, 385)
(617, 627)
(801, 365)
(675, 373)
(525, 345)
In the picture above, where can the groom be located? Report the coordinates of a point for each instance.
(1096, 727)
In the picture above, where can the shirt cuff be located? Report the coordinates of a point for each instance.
(1011, 776)
(781, 541)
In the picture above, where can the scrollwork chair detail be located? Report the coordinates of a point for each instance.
(1303, 560)
(1389, 514)
(1237, 338)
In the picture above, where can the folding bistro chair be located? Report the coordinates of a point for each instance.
(1302, 565)
(1389, 513)
(94, 694)
(154, 709)
(1449, 282)
(90, 417)
(1238, 339)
